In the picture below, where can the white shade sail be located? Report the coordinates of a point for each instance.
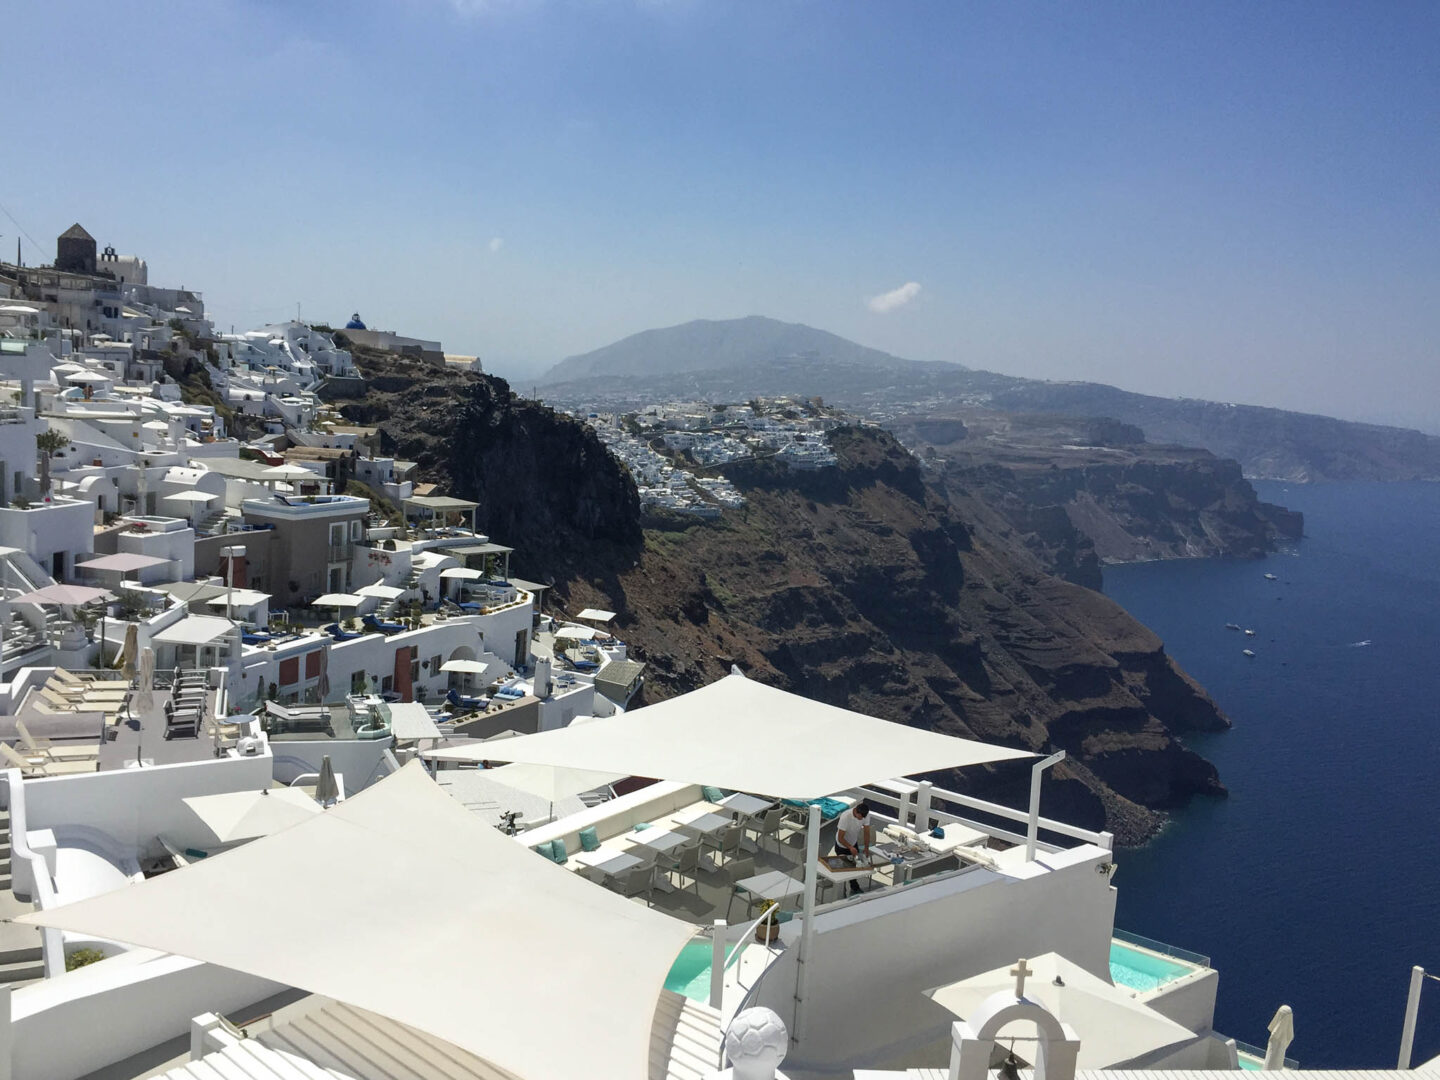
(1113, 1026)
(596, 614)
(550, 782)
(742, 734)
(495, 948)
(123, 562)
(244, 815)
(68, 595)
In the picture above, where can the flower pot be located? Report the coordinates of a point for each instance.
(767, 932)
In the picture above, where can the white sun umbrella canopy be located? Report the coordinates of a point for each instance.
(245, 815)
(465, 667)
(462, 573)
(497, 942)
(337, 600)
(596, 615)
(381, 591)
(580, 633)
(1113, 1026)
(289, 471)
(710, 735)
(191, 496)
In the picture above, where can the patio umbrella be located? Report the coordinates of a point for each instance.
(337, 600)
(1282, 1034)
(467, 667)
(322, 685)
(289, 471)
(381, 591)
(245, 815)
(144, 699)
(580, 633)
(1113, 1026)
(327, 792)
(191, 495)
(129, 652)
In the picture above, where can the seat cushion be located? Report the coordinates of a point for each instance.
(711, 794)
(589, 839)
(558, 854)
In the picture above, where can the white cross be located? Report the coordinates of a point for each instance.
(1020, 970)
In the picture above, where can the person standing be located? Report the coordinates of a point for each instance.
(853, 836)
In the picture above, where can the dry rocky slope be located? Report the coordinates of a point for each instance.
(860, 585)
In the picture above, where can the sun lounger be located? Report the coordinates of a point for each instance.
(32, 765)
(51, 750)
(341, 635)
(56, 701)
(372, 623)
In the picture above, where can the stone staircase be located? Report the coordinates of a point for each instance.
(20, 957)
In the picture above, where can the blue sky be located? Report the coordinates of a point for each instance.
(1236, 201)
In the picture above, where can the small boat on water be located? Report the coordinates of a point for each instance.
(1271, 577)
(1232, 626)
(1249, 633)
(1249, 652)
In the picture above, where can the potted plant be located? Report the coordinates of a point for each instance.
(767, 930)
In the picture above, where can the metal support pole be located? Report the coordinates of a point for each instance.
(717, 964)
(1032, 831)
(807, 930)
(1412, 1011)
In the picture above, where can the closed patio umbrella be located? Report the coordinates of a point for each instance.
(129, 652)
(327, 792)
(144, 699)
(1282, 1033)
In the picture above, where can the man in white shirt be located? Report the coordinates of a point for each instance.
(853, 836)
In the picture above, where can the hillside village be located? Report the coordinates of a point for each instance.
(674, 449)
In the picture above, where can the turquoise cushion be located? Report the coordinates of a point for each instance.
(558, 853)
(589, 839)
(547, 849)
(712, 794)
(641, 826)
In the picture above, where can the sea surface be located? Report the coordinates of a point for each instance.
(1317, 882)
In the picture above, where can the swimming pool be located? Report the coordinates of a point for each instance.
(690, 974)
(1138, 969)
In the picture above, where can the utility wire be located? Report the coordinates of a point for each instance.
(17, 224)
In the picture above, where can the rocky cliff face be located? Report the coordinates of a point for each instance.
(860, 585)
(1082, 493)
(863, 587)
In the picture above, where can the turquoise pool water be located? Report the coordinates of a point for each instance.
(690, 974)
(1140, 970)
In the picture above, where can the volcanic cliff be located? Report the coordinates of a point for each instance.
(860, 585)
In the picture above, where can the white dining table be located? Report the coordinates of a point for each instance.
(706, 824)
(746, 805)
(663, 842)
(608, 862)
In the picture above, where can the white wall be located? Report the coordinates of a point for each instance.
(925, 936)
(358, 760)
(137, 1000)
(136, 805)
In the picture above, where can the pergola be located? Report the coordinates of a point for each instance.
(442, 504)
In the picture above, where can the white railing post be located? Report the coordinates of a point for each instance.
(1412, 1011)
(717, 964)
(807, 931)
(1032, 829)
(922, 806)
(902, 809)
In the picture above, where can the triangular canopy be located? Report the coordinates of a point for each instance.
(1113, 1027)
(742, 734)
(486, 944)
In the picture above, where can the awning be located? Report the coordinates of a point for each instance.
(1113, 1027)
(596, 614)
(551, 783)
(124, 562)
(194, 630)
(495, 945)
(462, 572)
(382, 591)
(742, 734)
(409, 720)
(337, 599)
(69, 595)
(244, 815)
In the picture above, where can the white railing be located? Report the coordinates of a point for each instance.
(926, 813)
(722, 959)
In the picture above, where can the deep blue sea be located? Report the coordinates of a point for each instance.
(1317, 882)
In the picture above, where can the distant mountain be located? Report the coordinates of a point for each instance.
(736, 359)
(707, 344)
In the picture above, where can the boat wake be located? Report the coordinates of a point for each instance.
(1358, 644)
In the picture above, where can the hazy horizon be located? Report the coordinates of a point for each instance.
(1232, 202)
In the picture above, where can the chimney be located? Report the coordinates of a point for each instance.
(542, 678)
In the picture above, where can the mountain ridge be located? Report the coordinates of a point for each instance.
(802, 361)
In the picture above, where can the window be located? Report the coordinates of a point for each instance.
(435, 664)
(290, 671)
(414, 672)
(357, 683)
(387, 684)
(312, 664)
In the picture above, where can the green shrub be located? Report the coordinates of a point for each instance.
(82, 958)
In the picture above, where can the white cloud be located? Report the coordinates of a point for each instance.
(496, 243)
(887, 302)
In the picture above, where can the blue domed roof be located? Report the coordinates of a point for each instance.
(355, 323)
